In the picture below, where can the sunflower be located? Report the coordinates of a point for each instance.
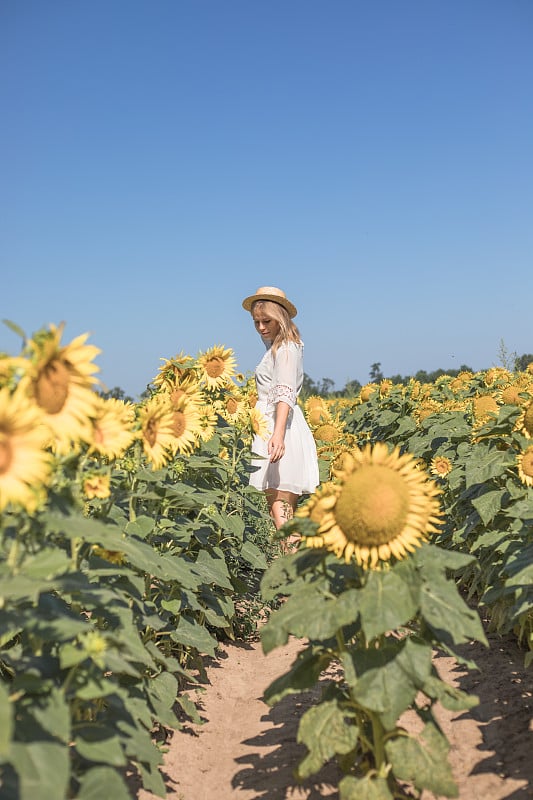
(367, 391)
(316, 411)
(525, 466)
(317, 416)
(461, 381)
(97, 485)
(186, 425)
(513, 395)
(232, 407)
(24, 463)
(173, 370)
(60, 381)
(384, 507)
(425, 409)
(327, 432)
(217, 366)
(440, 466)
(525, 421)
(259, 423)
(496, 375)
(385, 386)
(157, 430)
(484, 407)
(412, 389)
(112, 427)
(187, 387)
(208, 421)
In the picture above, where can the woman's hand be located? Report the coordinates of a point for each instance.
(276, 447)
(276, 443)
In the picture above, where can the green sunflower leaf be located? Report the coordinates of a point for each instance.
(423, 761)
(326, 731)
(388, 600)
(367, 788)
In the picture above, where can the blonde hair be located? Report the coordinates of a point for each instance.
(288, 332)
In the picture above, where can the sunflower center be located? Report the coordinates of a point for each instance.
(327, 433)
(527, 463)
(179, 423)
(232, 405)
(150, 432)
(52, 385)
(215, 367)
(373, 505)
(6, 453)
(175, 396)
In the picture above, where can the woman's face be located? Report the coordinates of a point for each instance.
(265, 326)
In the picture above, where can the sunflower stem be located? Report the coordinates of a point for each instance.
(378, 739)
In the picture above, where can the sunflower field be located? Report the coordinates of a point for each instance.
(131, 544)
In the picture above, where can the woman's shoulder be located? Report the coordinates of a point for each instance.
(289, 344)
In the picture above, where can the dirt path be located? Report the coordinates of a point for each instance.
(247, 751)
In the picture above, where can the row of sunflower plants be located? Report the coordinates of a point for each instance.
(371, 599)
(129, 541)
(474, 434)
(425, 510)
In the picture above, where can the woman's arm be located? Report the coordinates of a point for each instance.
(276, 443)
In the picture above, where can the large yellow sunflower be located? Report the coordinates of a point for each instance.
(259, 423)
(25, 465)
(186, 425)
(217, 366)
(384, 507)
(112, 427)
(524, 422)
(60, 381)
(157, 430)
(525, 466)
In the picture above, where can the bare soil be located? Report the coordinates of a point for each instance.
(247, 751)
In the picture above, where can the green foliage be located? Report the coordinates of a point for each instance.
(108, 609)
(368, 639)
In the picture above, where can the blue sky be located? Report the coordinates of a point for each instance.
(161, 160)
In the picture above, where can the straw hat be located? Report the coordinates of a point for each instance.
(273, 294)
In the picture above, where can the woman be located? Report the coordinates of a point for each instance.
(287, 466)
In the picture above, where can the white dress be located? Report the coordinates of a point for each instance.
(280, 377)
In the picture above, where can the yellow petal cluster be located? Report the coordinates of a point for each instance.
(382, 508)
(25, 464)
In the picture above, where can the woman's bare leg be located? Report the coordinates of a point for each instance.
(282, 506)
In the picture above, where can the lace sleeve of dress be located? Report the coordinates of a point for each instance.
(282, 392)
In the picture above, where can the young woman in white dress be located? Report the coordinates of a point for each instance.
(287, 464)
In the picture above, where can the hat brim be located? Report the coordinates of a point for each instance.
(248, 302)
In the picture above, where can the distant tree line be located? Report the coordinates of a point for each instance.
(324, 388)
